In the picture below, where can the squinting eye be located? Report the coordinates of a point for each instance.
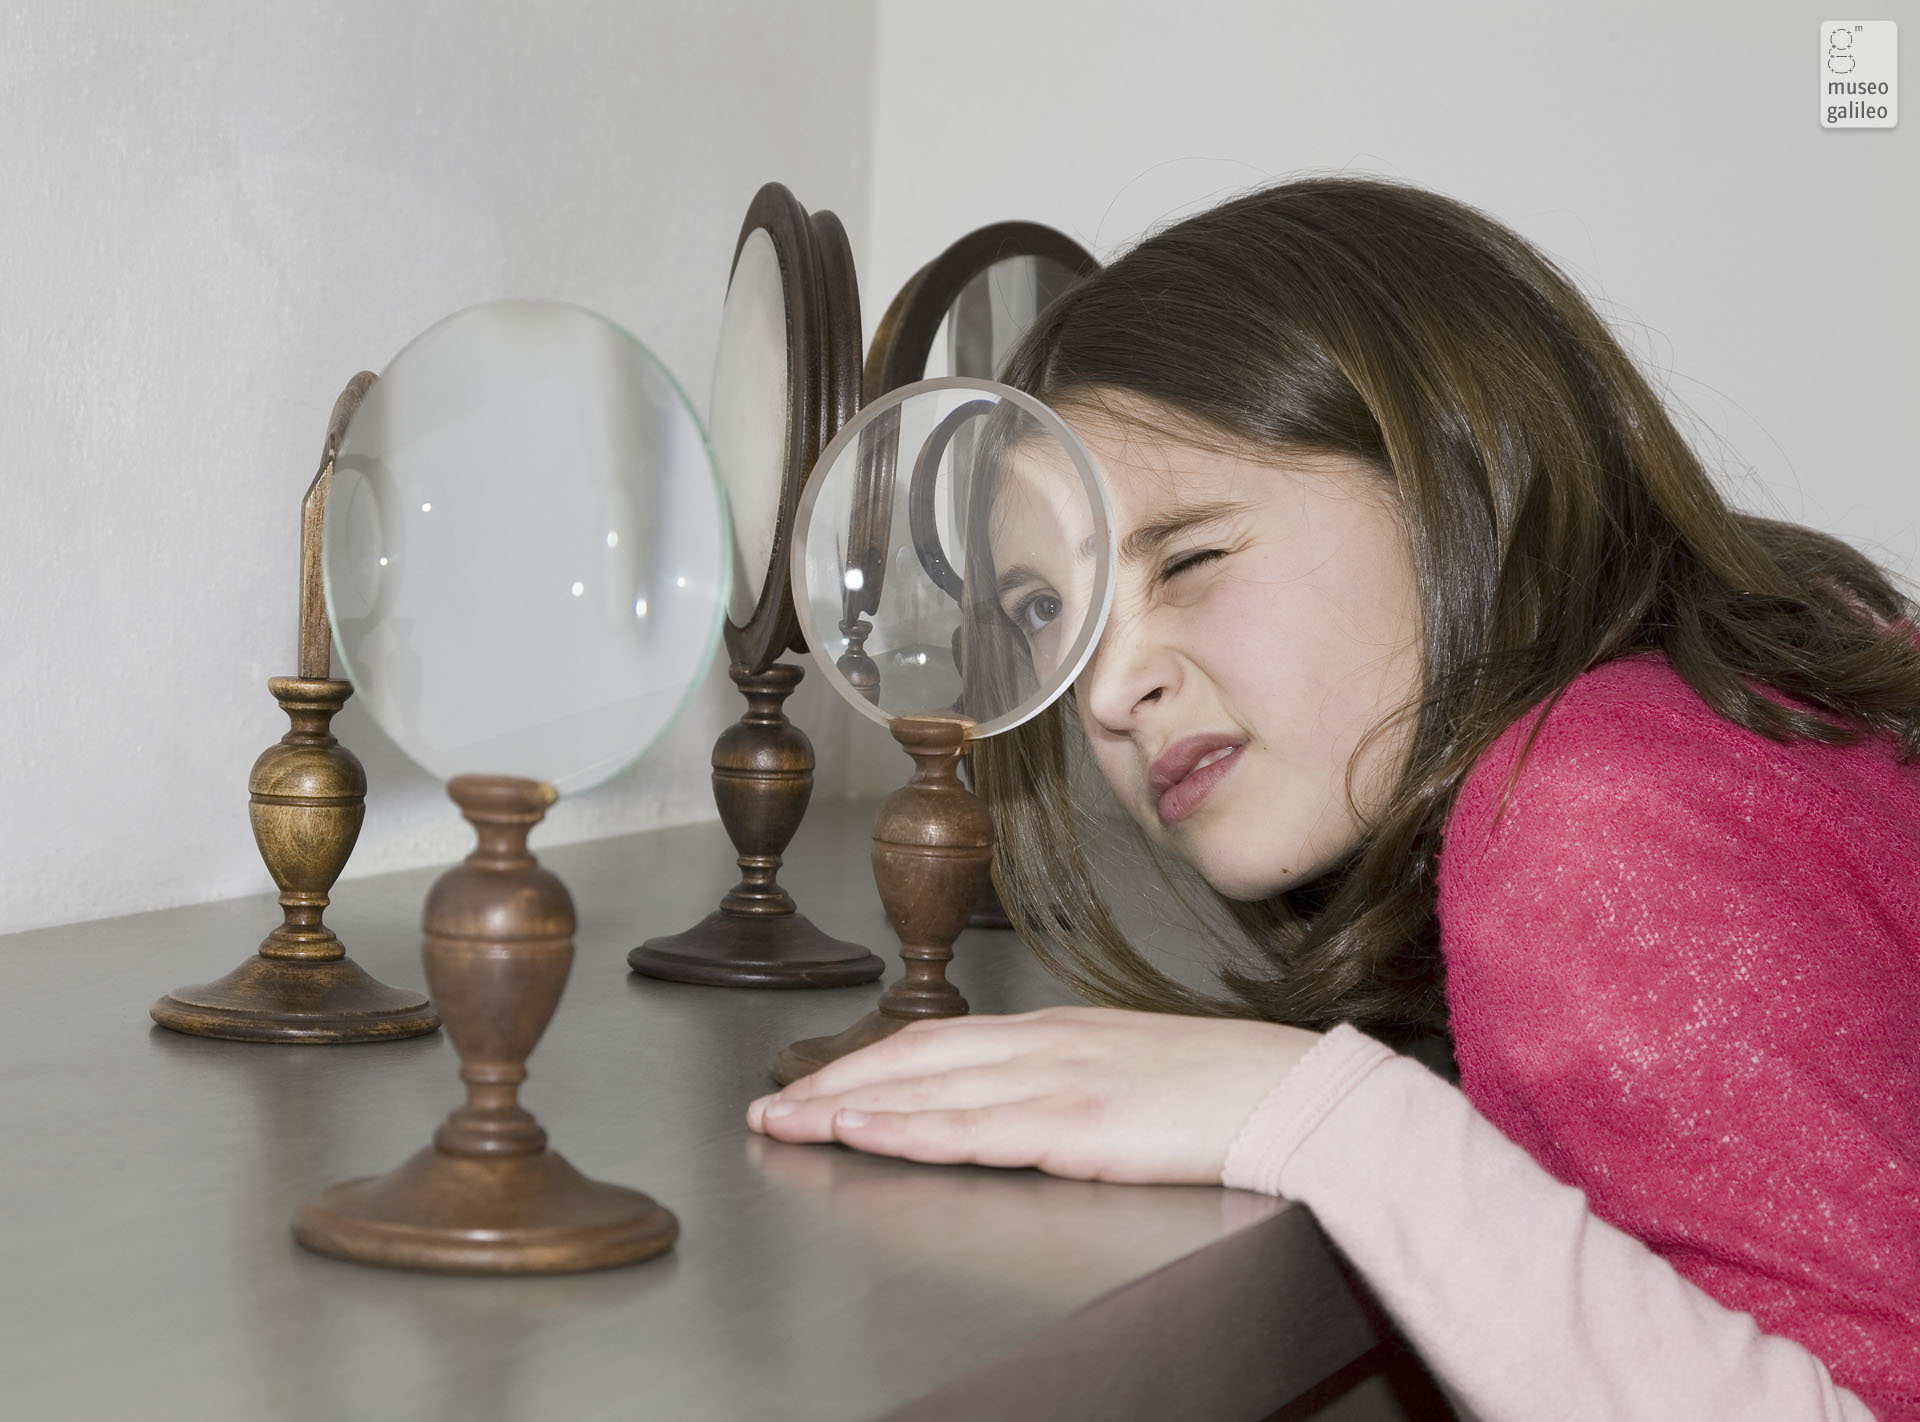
(1190, 561)
(1035, 612)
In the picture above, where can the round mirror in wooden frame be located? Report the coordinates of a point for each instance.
(986, 290)
(786, 377)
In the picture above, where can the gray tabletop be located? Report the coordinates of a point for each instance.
(148, 1180)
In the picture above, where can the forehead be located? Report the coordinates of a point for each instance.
(1158, 487)
(1155, 474)
(1036, 473)
(1148, 469)
(1142, 469)
(1041, 508)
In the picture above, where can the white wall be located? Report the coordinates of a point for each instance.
(211, 215)
(1666, 152)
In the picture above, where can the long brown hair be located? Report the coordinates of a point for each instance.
(1556, 516)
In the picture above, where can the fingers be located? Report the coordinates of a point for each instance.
(975, 1089)
(1008, 1136)
(922, 1048)
(811, 1117)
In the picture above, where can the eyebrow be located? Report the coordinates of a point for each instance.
(1020, 574)
(1149, 538)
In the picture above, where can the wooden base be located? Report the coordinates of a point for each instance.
(762, 780)
(318, 1001)
(307, 795)
(488, 1197)
(730, 949)
(808, 1055)
(516, 1214)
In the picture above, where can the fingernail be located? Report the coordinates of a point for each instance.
(778, 1108)
(851, 1118)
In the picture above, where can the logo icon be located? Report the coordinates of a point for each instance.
(1859, 74)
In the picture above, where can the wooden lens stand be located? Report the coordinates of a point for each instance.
(932, 849)
(309, 795)
(488, 1197)
(762, 780)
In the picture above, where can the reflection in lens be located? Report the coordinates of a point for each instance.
(1033, 572)
(953, 555)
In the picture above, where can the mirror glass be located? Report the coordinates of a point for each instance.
(992, 313)
(954, 554)
(526, 548)
(747, 413)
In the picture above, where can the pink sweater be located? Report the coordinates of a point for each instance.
(1684, 973)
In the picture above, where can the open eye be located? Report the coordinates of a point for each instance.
(1034, 611)
(1186, 562)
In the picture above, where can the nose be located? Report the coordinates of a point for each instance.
(1132, 669)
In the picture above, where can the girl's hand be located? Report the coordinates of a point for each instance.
(1085, 1092)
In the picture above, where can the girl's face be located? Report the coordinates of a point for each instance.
(1264, 621)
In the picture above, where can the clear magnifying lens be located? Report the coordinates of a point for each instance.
(954, 555)
(527, 552)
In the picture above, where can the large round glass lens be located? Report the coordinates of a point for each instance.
(526, 551)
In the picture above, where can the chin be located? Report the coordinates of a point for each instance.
(1250, 867)
(1231, 864)
(1245, 883)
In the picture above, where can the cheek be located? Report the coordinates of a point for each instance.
(1312, 663)
(1251, 641)
(1241, 619)
(1306, 678)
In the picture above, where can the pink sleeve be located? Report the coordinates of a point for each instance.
(1522, 1302)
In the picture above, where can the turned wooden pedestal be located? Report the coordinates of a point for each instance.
(932, 850)
(488, 1197)
(309, 796)
(762, 780)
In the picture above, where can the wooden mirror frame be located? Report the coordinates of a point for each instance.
(904, 339)
(772, 628)
(898, 356)
(840, 354)
(763, 764)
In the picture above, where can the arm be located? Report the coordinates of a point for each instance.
(1523, 1303)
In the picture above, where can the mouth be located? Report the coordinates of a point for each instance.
(1187, 772)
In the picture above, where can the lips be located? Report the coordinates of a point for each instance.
(1187, 771)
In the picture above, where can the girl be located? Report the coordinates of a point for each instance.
(1438, 657)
